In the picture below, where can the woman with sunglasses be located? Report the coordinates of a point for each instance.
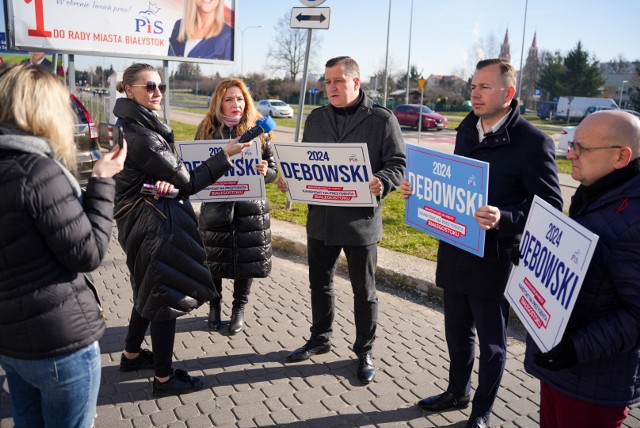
(236, 234)
(159, 234)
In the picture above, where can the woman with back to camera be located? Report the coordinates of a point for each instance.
(159, 234)
(51, 232)
(237, 235)
(202, 32)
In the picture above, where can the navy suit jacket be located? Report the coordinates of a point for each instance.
(218, 47)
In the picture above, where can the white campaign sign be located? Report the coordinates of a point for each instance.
(327, 173)
(555, 253)
(242, 182)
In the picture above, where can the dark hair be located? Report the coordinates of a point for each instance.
(351, 67)
(131, 75)
(507, 71)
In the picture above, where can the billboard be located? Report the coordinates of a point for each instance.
(184, 30)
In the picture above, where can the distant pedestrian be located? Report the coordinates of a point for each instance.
(236, 234)
(521, 165)
(592, 375)
(38, 58)
(52, 233)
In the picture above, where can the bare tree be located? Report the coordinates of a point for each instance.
(289, 51)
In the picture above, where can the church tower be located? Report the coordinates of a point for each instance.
(505, 48)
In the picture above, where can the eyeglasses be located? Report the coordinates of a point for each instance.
(151, 87)
(578, 148)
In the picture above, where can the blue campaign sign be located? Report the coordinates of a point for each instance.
(447, 191)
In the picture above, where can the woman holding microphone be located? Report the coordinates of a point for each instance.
(159, 234)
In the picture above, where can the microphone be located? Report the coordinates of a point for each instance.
(263, 125)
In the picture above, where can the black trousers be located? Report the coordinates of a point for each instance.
(163, 334)
(241, 291)
(361, 262)
(464, 316)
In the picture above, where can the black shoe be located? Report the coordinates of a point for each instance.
(309, 349)
(366, 370)
(444, 401)
(179, 383)
(237, 321)
(215, 315)
(144, 361)
(477, 422)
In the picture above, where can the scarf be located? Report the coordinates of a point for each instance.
(230, 121)
(18, 140)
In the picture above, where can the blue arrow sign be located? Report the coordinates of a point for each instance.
(313, 90)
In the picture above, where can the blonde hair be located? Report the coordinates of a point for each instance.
(190, 16)
(213, 119)
(35, 101)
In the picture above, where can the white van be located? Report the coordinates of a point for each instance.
(578, 107)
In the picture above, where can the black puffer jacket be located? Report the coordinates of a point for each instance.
(164, 249)
(237, 234)
(48, 236)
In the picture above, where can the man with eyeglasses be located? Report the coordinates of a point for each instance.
(591, 376)
(522, 164)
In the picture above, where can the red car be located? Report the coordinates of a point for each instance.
(86, 138)
(409, 115)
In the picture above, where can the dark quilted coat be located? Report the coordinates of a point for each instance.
(165, 255)
(237, 234)
(605, 322)
(48, 237)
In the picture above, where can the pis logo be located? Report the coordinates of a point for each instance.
(146, 21)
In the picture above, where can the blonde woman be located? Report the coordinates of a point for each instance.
(51, 232)
(202, 33)
(236, 234)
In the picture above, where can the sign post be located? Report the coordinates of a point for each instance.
(421, 82)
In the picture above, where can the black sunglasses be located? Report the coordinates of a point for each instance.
(151, 87)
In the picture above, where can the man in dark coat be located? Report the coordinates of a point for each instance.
(521, 164)
(591, 376)
(38, 58)
(350, 117)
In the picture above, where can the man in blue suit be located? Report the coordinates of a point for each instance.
(521, 164)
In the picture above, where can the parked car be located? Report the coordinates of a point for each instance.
(565, 136)
(546, 109)
(594, 109)
(633, 112)
(409, 115)
(86, 138)
(275, 108)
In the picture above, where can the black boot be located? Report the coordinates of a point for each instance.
(215, 315)
(237, 321)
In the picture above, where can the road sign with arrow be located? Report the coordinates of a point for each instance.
(310, 17)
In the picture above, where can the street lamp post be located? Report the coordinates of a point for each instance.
(386, 59)
(621, 91)
(242, 46)
(406, 98)
(524, 28)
